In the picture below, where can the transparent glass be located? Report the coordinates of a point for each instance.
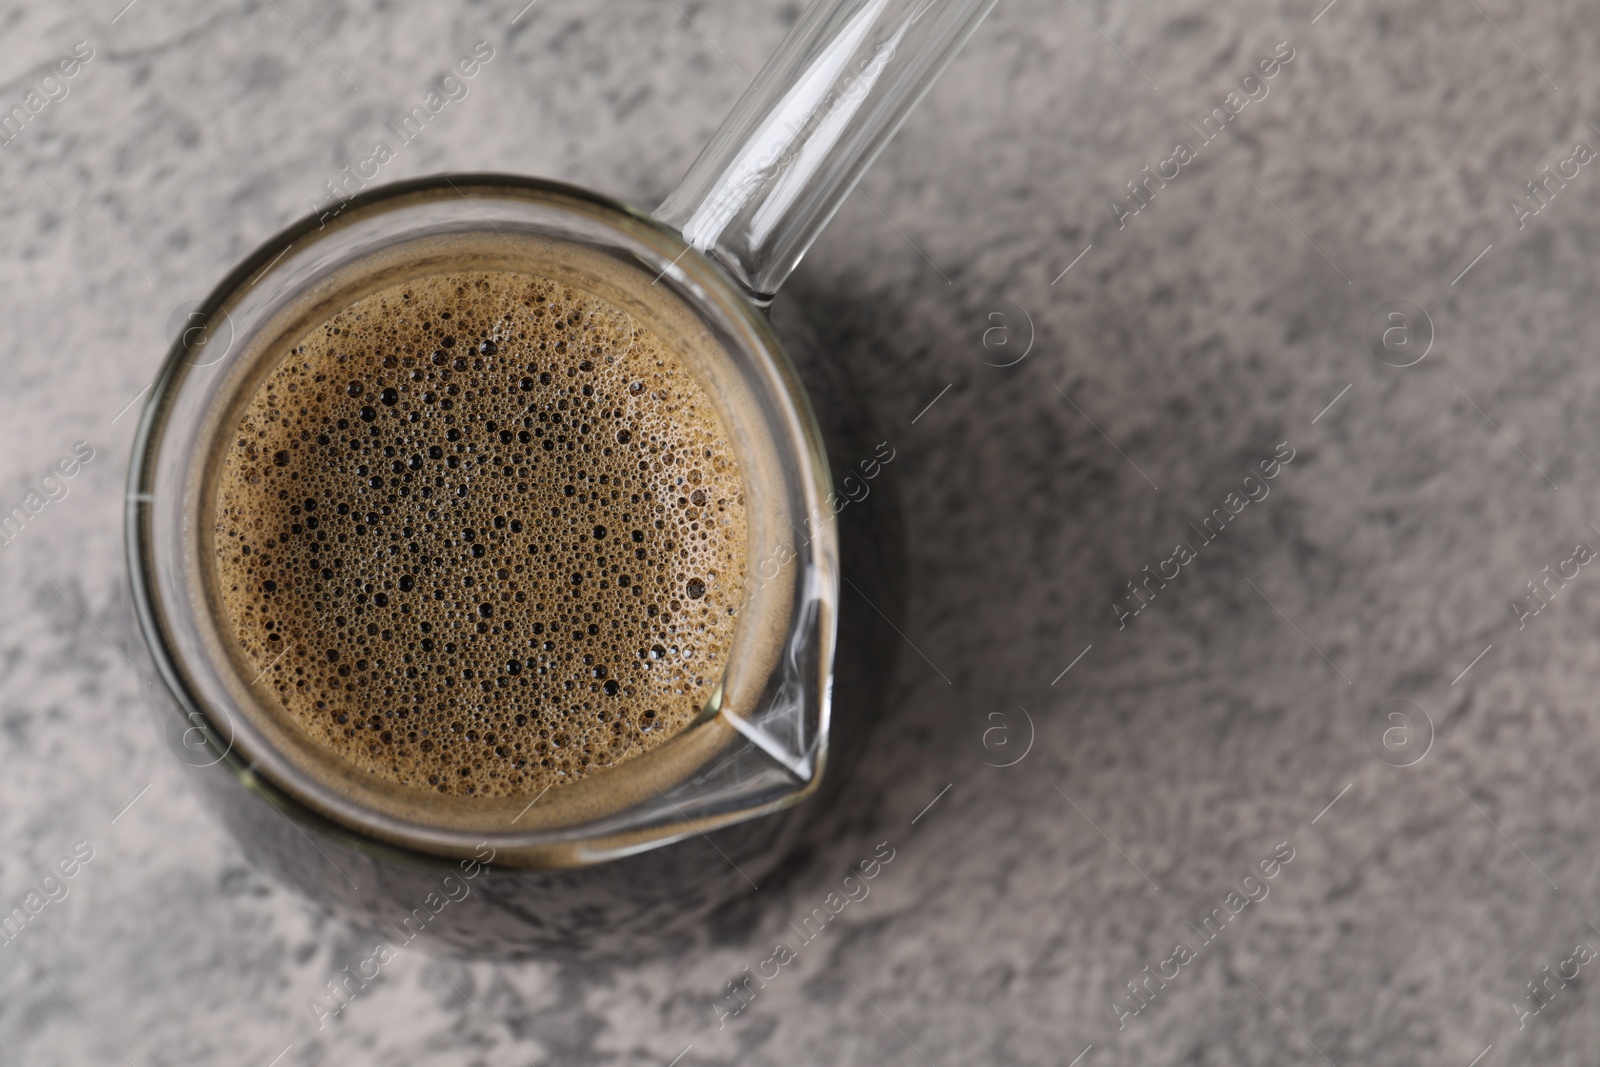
(702, 269)
(814, 119)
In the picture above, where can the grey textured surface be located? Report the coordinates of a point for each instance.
(1220, 722)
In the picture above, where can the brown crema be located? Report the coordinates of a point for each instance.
(481, 533)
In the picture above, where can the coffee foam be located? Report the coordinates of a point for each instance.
(481, 533)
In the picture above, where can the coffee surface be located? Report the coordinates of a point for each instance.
(481, 533)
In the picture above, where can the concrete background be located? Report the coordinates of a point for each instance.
(1178, 351)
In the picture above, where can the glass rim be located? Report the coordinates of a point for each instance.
(563, 846)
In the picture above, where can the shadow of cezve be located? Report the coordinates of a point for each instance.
(668, 898)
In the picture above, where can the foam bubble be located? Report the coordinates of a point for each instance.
(482, 533)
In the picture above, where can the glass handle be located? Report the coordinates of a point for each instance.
(795, 144)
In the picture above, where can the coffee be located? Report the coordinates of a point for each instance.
(480, 533)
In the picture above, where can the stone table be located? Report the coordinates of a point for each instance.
(1346, 679)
